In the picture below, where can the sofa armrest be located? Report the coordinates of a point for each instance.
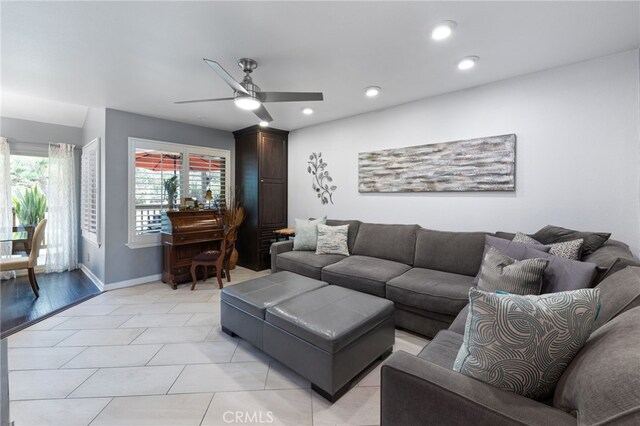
(276, 249)
(415, 391)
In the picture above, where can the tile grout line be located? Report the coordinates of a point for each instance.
(100, 412)
(176, 379)
(83, 382)
(74, 357)
(207, 410)
(154, 355)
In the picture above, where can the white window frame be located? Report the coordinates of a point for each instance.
(150, 240)
(93, 236)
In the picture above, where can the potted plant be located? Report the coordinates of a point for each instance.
(171, 187)
(233, 215)
(30, 206)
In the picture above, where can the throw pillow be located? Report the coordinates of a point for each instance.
(568, 249)
(307, 234)
(500, 272)
(522, 344)
(333, 239)
(517, 251)
(555, 234)
(560, 275)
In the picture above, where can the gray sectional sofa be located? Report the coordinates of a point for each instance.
(600, 386)
(426, 273)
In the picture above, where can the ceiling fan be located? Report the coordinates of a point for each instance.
(248, 95)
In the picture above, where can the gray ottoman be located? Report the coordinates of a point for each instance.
(329, 336)
(243, 306)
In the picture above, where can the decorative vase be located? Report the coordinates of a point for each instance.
(233, 259)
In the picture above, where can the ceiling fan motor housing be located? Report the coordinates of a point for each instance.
(250, 87)
(248, 65)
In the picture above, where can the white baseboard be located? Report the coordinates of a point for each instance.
(132, 282)
(96, 281)
(119, 284)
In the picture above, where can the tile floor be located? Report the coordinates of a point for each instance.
(149, 355)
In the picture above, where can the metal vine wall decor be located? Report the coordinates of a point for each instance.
(321, 181)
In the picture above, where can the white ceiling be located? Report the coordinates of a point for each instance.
(142, 56)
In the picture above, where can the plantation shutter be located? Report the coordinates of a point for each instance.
(89, 191)
(208, 172)
(152, 169)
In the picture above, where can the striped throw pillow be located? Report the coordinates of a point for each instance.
(500, 272)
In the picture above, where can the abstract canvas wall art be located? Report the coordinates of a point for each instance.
(482, 164)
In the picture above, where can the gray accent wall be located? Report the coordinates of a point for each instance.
(123, 263)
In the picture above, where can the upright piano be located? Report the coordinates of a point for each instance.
(184, 235)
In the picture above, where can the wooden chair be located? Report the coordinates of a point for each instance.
(30, 262)
(217, 258)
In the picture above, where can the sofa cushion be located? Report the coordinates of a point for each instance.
(442, 350)
(434, 291)
(612, 257)
(363, 273)
(556, 234)
(456, 252)
(457, 326)
(354, 225)
(390, 242)
(602, 384)
(306, 263)
(522, 344)
(618, 293)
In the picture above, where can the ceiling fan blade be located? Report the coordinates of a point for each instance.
(263, 114)
(225, 76)
(203, 100)
(290, 96)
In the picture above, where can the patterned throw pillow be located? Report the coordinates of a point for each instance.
(333, 239)
(522, 344)
(307, 234)
(569, 249)
(499, 272)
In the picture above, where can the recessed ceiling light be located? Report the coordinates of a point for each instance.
(372, 91)
(468, 62)
(443, 30)
(264, 124)
(247, 102)
(307, 111)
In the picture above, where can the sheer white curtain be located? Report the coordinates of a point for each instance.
(6, 215)
(62, 224)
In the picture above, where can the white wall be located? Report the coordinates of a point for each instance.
(577, 153)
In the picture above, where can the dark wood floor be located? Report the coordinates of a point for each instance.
(20, 307)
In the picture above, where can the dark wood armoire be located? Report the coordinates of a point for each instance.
(261, 185)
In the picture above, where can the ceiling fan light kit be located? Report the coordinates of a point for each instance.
(247, 102)
(249, 96)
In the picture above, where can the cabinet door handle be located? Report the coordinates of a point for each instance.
(261, 180)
